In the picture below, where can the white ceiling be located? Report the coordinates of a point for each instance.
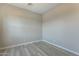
(39, 8)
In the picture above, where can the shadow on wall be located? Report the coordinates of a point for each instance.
(2, 42)
(64, 10)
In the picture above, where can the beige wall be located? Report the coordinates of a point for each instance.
(61, 26)
(1, 28)
(19, 26)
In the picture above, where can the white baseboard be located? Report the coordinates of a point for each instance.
(39, 41)
(26, 43)
(63, 48)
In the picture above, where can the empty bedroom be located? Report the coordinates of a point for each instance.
(39, 29)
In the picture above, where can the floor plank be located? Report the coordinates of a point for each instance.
(35, 49)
